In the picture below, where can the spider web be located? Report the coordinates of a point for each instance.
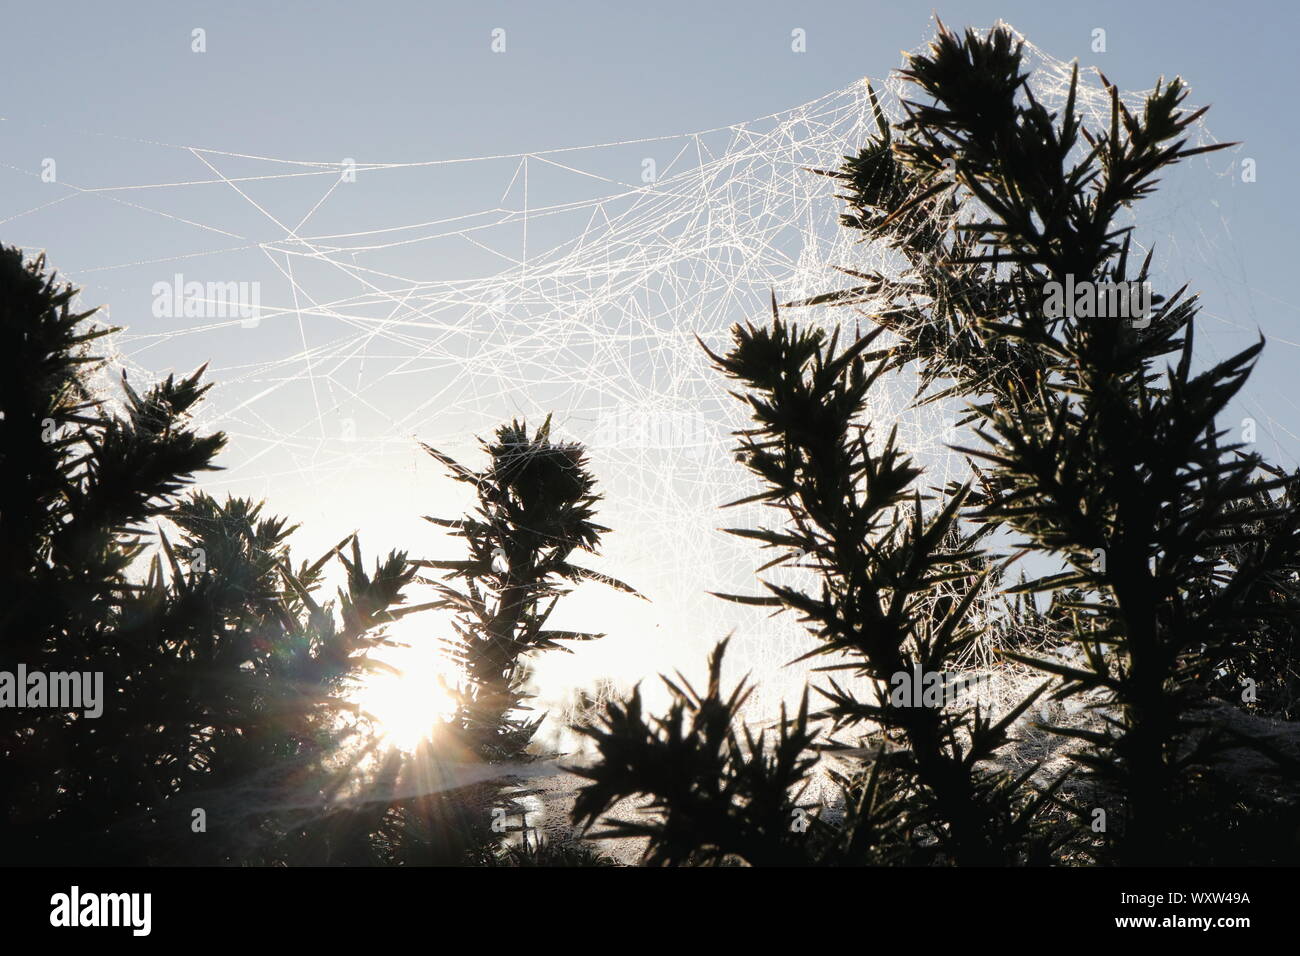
(431, 300)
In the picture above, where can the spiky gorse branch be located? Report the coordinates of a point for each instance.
(1261, 665)
(221, 674)
(272, 692)
(277, 628)
(896, 587)
(716, 792)
(536, 504)
(1094, 455)
(713, 792)
(1180, 549)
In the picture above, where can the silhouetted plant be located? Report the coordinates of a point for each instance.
(278, 668)
(539, 851)
(715, 791)
(221, 675)
(536, 501)
(535, 507)
(893, 599)
(1261, 669)
(1181, 551)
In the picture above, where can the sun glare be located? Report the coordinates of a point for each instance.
(408, 705)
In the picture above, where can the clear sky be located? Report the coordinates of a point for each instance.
(413, 81)
(115, 92)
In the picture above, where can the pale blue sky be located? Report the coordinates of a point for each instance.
(414, 81)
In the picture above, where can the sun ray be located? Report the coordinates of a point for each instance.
(408, 705)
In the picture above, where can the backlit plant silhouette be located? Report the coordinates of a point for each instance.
(222, 675)
(895, 584)
(536, 504)
(1175, 549)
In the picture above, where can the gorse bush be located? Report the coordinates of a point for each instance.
(1110, 538)
(535, 508)
(718, 792)
(1261, 667)
(284, 738)
(226, 734)
(221, 674)
(1095, 455)
(1176, 548)
(896, 585)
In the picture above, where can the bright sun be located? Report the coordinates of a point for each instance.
(407, 706)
